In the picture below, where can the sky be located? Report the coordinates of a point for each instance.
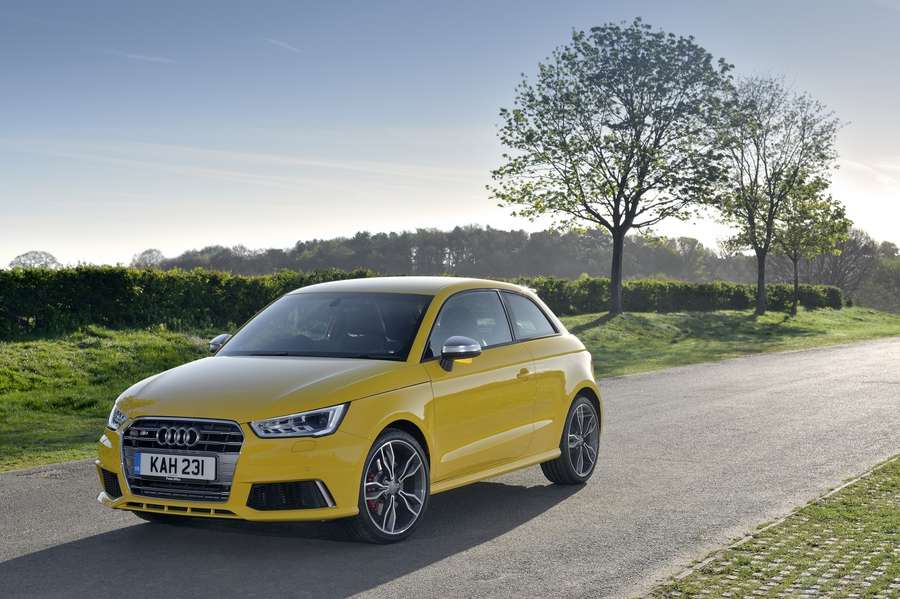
(176, 125)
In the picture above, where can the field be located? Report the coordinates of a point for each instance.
(639, 342)
(55, 393)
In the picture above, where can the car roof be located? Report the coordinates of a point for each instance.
(420, 285)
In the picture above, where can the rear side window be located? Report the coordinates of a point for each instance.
(475, 314)
(529, 321)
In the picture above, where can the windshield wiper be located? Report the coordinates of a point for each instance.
(266, 353)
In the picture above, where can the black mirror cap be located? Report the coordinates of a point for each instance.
(458, 348)
(217, 342)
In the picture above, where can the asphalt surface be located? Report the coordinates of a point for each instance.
(691, 458)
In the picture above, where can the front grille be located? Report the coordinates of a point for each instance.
(299, 495)
(219, 438)
(111, 483)
(215, 436)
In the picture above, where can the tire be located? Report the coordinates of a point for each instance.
(576, 463)
(155, 518)
(405, 485)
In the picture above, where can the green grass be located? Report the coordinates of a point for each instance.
(842, 546)
(55, 393)
(639, 342)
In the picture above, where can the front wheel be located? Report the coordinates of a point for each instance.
(394, 489)
(578, 446)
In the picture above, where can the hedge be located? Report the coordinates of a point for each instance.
(591, 294)
(40, 301)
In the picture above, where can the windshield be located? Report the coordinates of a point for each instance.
(342, 325)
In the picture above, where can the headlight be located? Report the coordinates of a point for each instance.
(116, 418)
(315, 423)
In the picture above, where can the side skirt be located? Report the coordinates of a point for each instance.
(452, 483)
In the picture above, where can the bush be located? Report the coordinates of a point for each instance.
(591, 294)
(41, 301)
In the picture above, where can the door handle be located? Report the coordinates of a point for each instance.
(523, 373)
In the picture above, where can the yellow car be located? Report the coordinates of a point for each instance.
(357, 399)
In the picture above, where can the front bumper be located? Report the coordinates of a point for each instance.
(336, 460)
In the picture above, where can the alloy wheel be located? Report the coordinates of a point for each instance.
(395, 487)
(583, 439)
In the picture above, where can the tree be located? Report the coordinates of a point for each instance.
(855, 258)
(773, 139)
(151, 258)
(615, 131)
(811, 223)
(888, 249)
(35, 259)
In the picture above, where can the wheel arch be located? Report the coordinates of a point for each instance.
(594, 397)
(413, 430)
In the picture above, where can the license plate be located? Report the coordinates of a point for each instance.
(175, 466)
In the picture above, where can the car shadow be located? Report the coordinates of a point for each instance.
(212, 558)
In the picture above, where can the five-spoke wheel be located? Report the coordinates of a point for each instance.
(394, 488)
(578, 446)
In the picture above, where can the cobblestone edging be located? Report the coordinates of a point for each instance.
(845, 544)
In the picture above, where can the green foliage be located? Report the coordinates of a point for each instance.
(43, 301)
(812, 222)
(55, 393)
(881, 289)
(617, 130)
(639, 342)
(774, 140)
(591, 294)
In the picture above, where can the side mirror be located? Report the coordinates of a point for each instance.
(458, 348)
(217, 342)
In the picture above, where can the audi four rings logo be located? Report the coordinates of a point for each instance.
(177, 436)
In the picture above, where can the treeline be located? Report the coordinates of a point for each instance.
(865, 270)
(40, 301)
(474, 251)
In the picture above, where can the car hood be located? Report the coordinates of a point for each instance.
(244, 388)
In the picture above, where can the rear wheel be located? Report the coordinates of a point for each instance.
(578, 446)
(393, 491)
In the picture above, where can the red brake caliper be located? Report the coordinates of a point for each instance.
(372, 503)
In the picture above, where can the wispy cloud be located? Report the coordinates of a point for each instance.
(143, 57)
(283, 45)
(245, 168)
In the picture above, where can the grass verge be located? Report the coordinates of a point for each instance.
(55, 394)
(845, 545)
(638, 342)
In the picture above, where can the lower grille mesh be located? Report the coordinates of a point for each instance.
(304, 494)
(111, 483)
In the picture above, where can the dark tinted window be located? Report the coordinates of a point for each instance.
(528, 320)
(475, 314)
(360, 325)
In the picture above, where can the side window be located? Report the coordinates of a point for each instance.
(528, 320)
(475, 314)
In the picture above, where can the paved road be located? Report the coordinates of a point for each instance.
(692, 457)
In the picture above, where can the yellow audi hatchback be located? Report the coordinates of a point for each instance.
(357, 399)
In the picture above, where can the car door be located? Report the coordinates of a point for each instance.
(537, 332)
(483, 406)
